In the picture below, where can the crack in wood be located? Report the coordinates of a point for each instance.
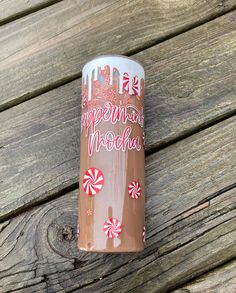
(36, 203)
(146, 45)
(161, 245)
(188, 133)
(27, 11)
(195, 209)
(150, 252)
(4, 225)
(217, 193)
(147, 153)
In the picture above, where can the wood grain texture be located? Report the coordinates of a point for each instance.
(11, 9)
(220, 280)
(185, 238)
(34, 58)
(190, 80)
(39, 139)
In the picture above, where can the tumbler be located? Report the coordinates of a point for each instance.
(111, 183)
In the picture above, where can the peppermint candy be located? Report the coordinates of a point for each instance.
(126, 83)
(112, 228)
(134, 189)
(89, 212)
(93, 181)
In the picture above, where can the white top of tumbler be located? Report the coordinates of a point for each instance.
(122, 63)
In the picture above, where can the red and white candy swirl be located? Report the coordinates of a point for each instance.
(134, 189)
(126, 83)
(112, 228)
(93, 181)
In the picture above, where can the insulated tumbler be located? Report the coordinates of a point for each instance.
(111, 184)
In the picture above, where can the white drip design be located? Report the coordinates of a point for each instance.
(123, 65)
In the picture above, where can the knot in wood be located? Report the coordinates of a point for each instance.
(62, 235)
(62, 238)
(66, 233)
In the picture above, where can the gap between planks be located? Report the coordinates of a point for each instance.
(74, 186)
(220, 279)
(149, 152)
(57, 193)
(144, 47)
(163, 249)
(190, 132)
(27, 11)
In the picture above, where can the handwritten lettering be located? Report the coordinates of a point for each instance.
(111, 141)
(112, 113)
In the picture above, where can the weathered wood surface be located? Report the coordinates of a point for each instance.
(220, 280)
(10, 10)
(191, 185)
(39, 139)
(189, 231)
(34, 58)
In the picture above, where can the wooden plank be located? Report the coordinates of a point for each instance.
(220, 280)
(35, 58)
(10, 10)
(39, 139)
(189, 87)
(44, 25)
(185, 236)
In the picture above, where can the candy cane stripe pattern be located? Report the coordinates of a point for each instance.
(134, 189)
(134, 83)
(112, 228)
(126, 81)
(93, 181)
